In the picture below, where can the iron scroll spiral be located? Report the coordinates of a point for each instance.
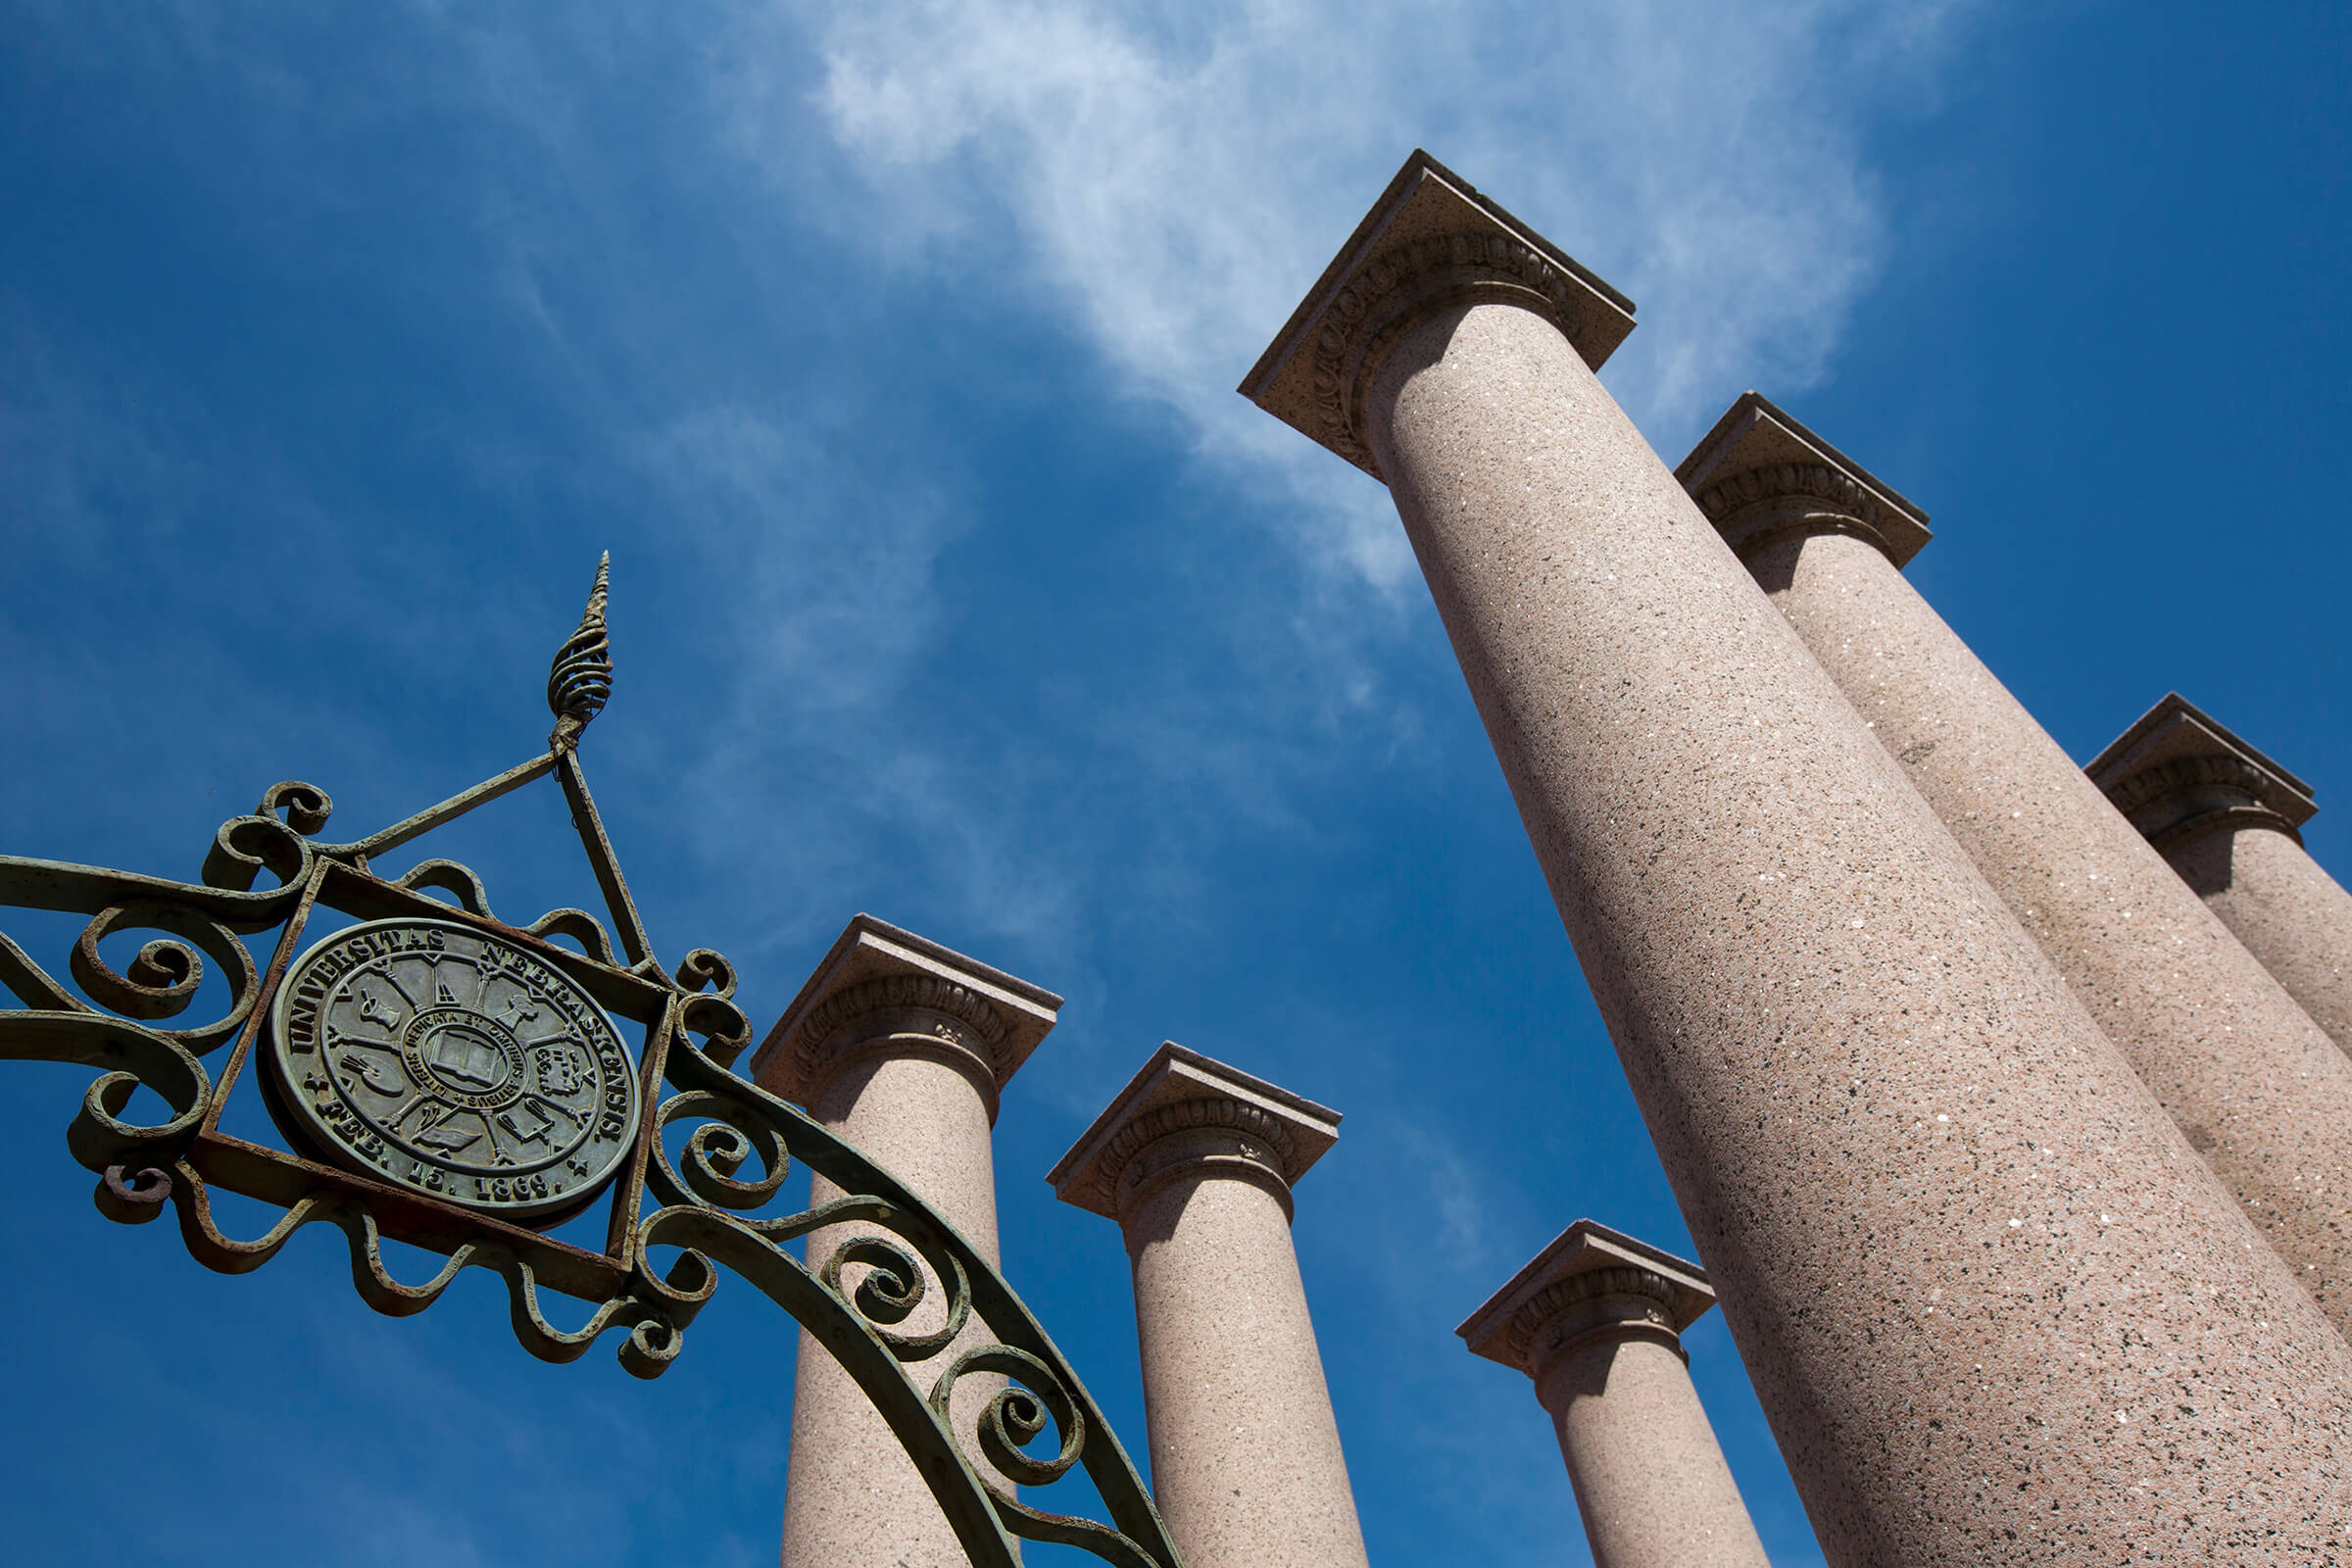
(736, 1147)
(706, 1205)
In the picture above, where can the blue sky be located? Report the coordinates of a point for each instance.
(890, 350)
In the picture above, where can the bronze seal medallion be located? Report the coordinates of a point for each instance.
(454, 1064)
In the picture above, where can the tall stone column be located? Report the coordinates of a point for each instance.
(901, 1046)
(1994, 1307)
(2229, 821)
(1596, 1320)
(1196, 1161)
(2261, 1090)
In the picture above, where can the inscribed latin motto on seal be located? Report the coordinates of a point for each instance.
(451, 1062)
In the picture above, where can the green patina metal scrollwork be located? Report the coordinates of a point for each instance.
(735, 1145)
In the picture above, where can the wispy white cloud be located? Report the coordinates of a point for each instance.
(1162, 183)
(1171, 177)
(844, 569)
(1164, 179)
(834, 601)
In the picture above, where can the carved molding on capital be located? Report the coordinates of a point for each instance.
(1220, 1137)
(1592, 1284)
(1430, 241)
(1403, 286)
(2205, 793)
(1599, 1303)
(2176, 775)
(1191, 1115)
(1764, 506)
(2146, 786)
(1723, 501)
(1188, 1114)
(886, 991)
(896, 1006)
(1760, 477)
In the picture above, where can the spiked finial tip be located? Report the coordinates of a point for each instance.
(580, 681)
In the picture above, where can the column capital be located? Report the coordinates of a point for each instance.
(1183, 1111)
(1761, 477)
(1590, 1282)
(2178, 776)
(1430, 240)
(882, 990)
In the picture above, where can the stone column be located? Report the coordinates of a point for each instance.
(902, 1047)
(2229, 821)
(1196, 1161)
(1994, 1307)
(1596, 1321)
(2261, 1090)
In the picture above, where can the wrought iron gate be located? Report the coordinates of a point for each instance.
(442, 1124)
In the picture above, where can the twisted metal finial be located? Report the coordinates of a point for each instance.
(580, 679)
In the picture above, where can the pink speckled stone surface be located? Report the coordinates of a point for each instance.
(1596, 1320)
(2228, 819)
(2258, 1087)
(1196, 1159)
(1650, 1482)
(1995, 1306)
(851, 1497)
(912, 1080)
(2288, 910)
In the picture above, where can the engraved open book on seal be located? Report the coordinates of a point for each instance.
(450, 1061)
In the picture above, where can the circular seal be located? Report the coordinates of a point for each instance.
(454, 1064)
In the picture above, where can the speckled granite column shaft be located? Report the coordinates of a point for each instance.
(2260, 1090)
(1650, 1482)
(1969, 1261)
(851, 1496)
(2286, 907)
(1995, 1306)
(1196, 1160)
(902, 1047)
(1596, 1321)
(2229, 821)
